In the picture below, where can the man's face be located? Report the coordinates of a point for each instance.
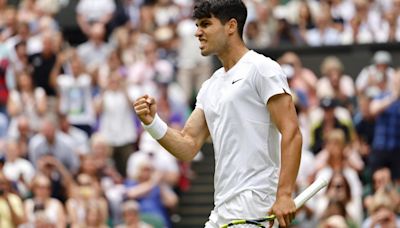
(212, 35)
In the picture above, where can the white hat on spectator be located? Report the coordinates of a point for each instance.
(382, 57)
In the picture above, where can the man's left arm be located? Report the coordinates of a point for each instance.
(283, 114)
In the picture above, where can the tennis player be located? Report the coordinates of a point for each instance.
(247, 109)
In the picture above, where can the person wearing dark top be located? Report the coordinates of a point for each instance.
(386, 144)
(328, 123)
(42, 64)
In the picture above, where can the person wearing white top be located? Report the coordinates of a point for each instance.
(247, 109)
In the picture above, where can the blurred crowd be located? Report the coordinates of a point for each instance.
(73, 153)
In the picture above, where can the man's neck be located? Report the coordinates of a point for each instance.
(232, 55)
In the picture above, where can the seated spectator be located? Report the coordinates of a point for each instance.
(18, 170)
(335, 84)
(336, 162)
(364, 124)
(79, 137)
(94, 216)
(95, 51)
(42, 206)
(338, 200)
(303, 79)
(131, 216)
(84, 194)
(382, 180)
(51, 141)
(330, 119)
(88, 13)
(378, 75)
(26, 100)
(23, 134)
(161, 160)
(381, 212)
(155, 197)
(60, 177)
(11, 206)
(323, 34)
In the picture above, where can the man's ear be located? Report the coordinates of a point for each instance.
(232, 26)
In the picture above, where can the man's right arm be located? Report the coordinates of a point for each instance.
(186, 143)
(183, 144)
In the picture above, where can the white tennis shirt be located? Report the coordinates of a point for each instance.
(246, 141)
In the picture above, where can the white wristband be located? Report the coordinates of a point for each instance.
(157, 129)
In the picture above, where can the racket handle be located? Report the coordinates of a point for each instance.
(309, 192)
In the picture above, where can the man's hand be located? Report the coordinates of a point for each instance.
(284, 209)
(145, 107)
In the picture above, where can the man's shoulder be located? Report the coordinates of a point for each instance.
(264, 65)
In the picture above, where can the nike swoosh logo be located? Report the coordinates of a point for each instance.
(233, 82)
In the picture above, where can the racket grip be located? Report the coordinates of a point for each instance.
(309, 192)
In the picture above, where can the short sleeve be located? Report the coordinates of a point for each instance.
(201, 95)
(270, 80)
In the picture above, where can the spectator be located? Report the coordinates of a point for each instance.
(43, 62)
(154, 196)
(116, 121)
(114, 64)
(130, 211)
(305, 20)
(42, 206)
(304, 79)
(166, 12)
(386, 145)
(364, 124)
(152, 69)
(50, 141)
(80, 139)
(323, 34)
(75, 92)
(88, 13)
(95, 51)
(331, 119)
(338, 200)
(162, 161)
(11, 206)
(5, 70)
(84, 194)
(391, 18)
(382, 181)
(378, 75)
(382, 212)
(22, 134)
(337, 162)
(8, 26)
(18, 170)
(28, 101)
(60, 177)
(17, 46)
(335, 84)
(94, 218)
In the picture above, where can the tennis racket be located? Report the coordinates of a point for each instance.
(309, 192)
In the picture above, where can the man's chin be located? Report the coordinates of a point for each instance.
(205, 53)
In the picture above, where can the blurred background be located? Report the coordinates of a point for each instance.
(73, 153)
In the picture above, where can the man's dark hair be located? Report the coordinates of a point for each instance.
(224, 10)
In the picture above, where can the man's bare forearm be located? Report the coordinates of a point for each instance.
(290, 162)
(180, 145)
